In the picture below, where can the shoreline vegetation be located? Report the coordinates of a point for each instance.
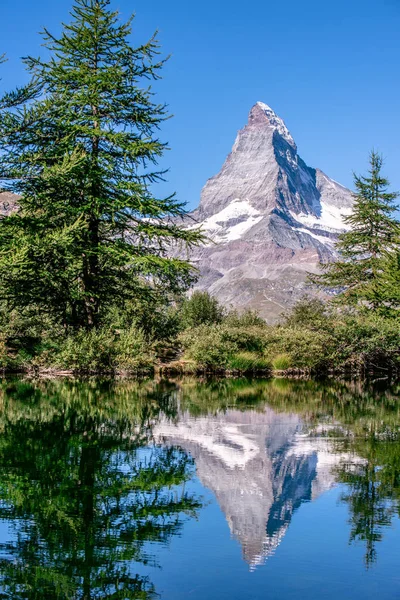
(92, 274)
(200, 338)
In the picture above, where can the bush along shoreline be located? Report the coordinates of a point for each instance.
(314, 339)
(199, 337)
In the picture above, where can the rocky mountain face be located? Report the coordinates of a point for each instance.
(269, 219)
(261, 466)
(8, 203)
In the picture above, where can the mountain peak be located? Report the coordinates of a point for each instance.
(269, 219)
(262, 114)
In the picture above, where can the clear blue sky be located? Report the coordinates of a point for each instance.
(330, 68)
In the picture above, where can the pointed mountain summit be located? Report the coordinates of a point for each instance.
(269, 219)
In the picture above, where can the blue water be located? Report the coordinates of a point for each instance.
(199, 490)
(314, 560)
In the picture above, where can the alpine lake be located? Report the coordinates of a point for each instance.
(230, 489)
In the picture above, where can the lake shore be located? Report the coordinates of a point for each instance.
(181, 369)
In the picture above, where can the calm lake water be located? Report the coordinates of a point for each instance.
(233, 489)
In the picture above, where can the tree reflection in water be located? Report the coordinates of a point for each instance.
(372, 490)
(82, 494)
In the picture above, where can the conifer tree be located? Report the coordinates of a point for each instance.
(373, 233)
(389, 285)
(79, 144)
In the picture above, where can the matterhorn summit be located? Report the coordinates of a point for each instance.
(269, 220)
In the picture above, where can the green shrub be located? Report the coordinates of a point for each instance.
(104, 350)
(133, 352)
(224, 346)
(200, 309)
(371, 341)
(282, 362)
(248, 318)
(311, 313)
(154, 315)
(251, 339)
(307, 349)
(359, 341)
(5, 360)
(207, 346)
(93, 350)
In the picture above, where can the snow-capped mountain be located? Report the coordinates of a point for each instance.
(269, 219)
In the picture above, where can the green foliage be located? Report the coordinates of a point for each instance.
(369, 341)
(5, 360)
(91, 350)
(200, 309)
(245, 362)
(208, 346)
(99, 350)
(250, 339)
(133, 352)
(79, 143)
(374, 232)
(309, 312)
(282, 362)
(308, 349)
(222, 346)
(247, 318)
(388, 286)
(156, 315)
(312, 338)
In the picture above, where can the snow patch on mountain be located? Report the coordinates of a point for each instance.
(231, 223)
(321, 238)
(331, 218)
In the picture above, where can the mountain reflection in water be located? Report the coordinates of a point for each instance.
(95, 475)
(261, 467)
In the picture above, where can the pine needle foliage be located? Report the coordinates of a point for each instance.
(374, 232)
(389, 285)
(79, 144)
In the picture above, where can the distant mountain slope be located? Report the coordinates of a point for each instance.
(8, 203)
(269, 218)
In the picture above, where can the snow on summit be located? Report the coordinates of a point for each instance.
(276, 122)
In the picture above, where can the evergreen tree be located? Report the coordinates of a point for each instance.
(201, 309)
(79, 145)
(389, 285)
(374, 232)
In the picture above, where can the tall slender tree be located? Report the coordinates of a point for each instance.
(79, 145)
(374, 231)
(389, 285)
